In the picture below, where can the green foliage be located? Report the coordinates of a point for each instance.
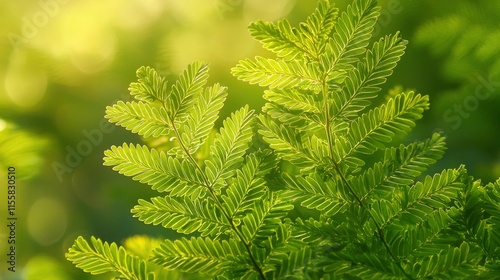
(103, 257)
(363, 209)
(20, 149)
(467, 36)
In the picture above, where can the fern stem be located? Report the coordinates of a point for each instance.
(215, 197)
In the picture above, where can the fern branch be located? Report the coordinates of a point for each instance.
(351, 35)
(368, 132)
(189, 85)
(400, 166)
(362, 83)
(102, 258)
(150, 86)
(277, 73)
(265, 218)
(278, 38)
(162, 173)
(314, 193)
(248, 185)
(306, 41)
(138, 117)
(229, 146)
(183, 215)
(286, 142)
(201, 119)
(202, 255)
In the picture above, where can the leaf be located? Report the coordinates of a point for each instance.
(138, 117)
(150, 86)
(248, 186)
(314, 193)
(161, 172)
(366, 265)
(183, 215)
(399, 167)
(368, 132)
(286, 142)
(277, 73)
(265, 218)
(103, 258)
(278, 38)
(442, 263)
(300, 121)
(189, 85)
(293, 100)
(315, 32)
(425, 209)
(290, 43)
(424, 237)
(202, 117)
(362, 83)
(351, 35)
(282, 256)
(229, 146)
(210, 257)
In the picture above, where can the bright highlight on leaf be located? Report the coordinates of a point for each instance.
(314, 187)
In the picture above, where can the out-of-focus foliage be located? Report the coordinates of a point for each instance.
(465, 38)
(21, 150)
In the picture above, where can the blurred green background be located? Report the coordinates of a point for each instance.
(63, 62)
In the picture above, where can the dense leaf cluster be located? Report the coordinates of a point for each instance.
(361, 207)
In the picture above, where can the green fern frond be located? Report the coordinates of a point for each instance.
(293, 100)
(436, 191)
(278, 38)
(283, 256)
(314, 232)
(189, 85)
(314, 193)
(314, 33)
(230, 145)
(286, 142)
(491, 237)
(203, 255)
(361, 266)
(161, 172)
(150, 86)
(317, 128)
(248, 185)
(302, 121)
(183, 215)
(362, 83)
(351, 35)
(295, 265)
(425, 210)
(424, 237)
(445, 264)
(265, 218)
(202, 117)
(104, 258)
(277, 73)
(308, 40)
(368, 133)
(139, 117)
(399, 168)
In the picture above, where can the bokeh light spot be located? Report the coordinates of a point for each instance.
(47, 220)
(25, 85)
